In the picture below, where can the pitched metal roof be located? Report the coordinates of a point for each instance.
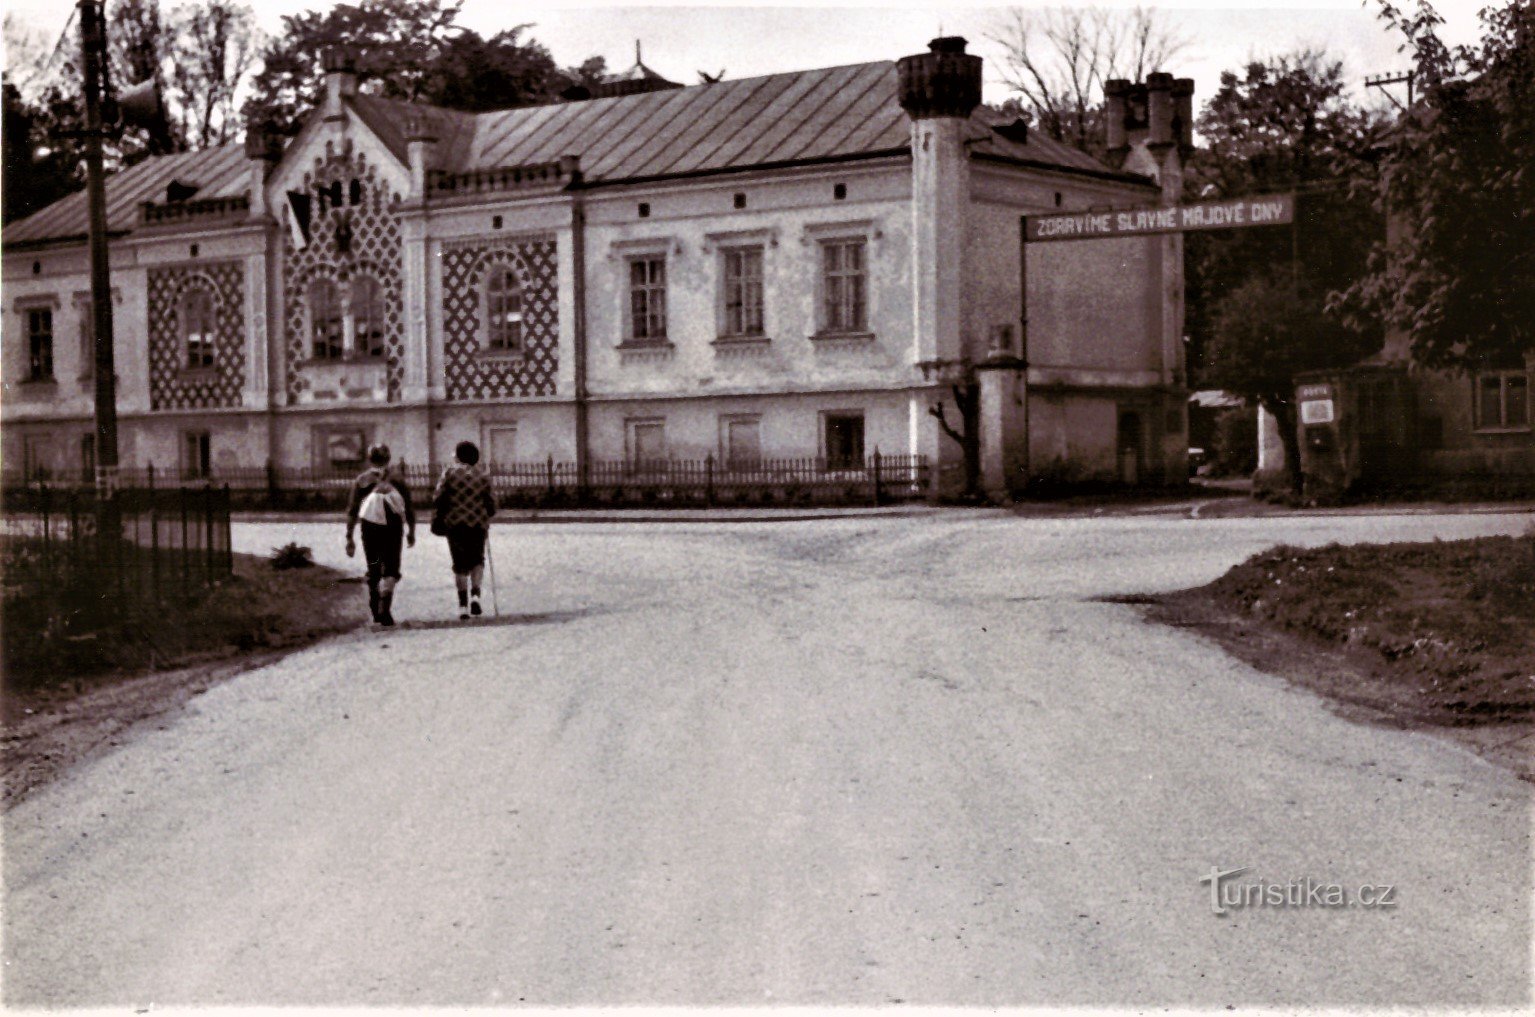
(806, 116)
(220, 172)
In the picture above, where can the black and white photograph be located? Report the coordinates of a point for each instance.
(554, 506)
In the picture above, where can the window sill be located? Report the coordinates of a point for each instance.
(645, 345)
(843, 338)
(1502, 430)
(39, 384)
(501, 356)
(742, 340)
(197, 374)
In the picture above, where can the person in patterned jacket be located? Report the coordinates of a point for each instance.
(464, 504)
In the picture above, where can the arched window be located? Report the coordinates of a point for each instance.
(197, 327)
(325, 327)
(368, 316)
(503, 310)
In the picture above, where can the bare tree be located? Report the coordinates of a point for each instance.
(1057, 59)
(216, 44)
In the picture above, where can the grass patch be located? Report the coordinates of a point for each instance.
(67, 640)
(1449, 626)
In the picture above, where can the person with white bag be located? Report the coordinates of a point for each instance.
(380, 503)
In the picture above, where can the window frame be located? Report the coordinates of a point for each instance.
(739, 285)
(841, 464)
(632, 460)
(488, 296)
(650, 289)
(196, 465)
(41, 370)
(312, 319)
(321, 437)
(352, 299)
(1480, 424)
(841, 276)
(207, 340)
(726, 423)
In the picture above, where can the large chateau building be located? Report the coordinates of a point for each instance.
(796, 265)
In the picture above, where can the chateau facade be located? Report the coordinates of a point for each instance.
(796, 265)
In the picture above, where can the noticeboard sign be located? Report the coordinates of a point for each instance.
(1235, 213)
(1316, 411)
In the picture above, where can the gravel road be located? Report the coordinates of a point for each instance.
(855, 761)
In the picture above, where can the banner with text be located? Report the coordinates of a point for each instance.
(1259, 210)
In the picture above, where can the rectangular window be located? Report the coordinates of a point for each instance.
(340, 450)
(646, 444)
(87, 338)
(34, 457)
(40, 343)
(500, 441)
(647, 300)
(743, 291)
(196, 460)
(843, 440)
(740, 441)
(197, 324)
(844, 283)
(1503, 401)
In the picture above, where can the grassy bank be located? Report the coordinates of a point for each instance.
(1452, 623)
(1422, 636)
(56, 646)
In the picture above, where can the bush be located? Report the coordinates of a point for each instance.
(292, 556)
(1234, 443)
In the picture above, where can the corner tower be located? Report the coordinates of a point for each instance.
(938, 90)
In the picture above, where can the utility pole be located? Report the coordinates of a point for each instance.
(93, 44)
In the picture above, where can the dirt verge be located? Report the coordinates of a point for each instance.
(52, 719)
(1430, 637)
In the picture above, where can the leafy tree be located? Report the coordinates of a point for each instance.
(1257, 297)
(473, 73)
(1456, 274)
(37, 172)
(395, 44)
(142, 43)
(1057, 59)
(408, 49)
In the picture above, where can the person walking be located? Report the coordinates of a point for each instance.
(463, 504)
(380, 504)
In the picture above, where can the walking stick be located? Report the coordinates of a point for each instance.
(490, 559)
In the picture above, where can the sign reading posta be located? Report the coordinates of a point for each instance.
(1258, 210)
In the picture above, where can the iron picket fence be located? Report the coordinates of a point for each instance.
(873, 480)
(151, 543)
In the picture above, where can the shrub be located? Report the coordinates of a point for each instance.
(292, 556)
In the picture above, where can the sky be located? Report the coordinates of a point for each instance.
(680, 41)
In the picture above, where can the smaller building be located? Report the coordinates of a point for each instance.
(1386, 424)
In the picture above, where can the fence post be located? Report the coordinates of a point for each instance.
(271, 483)
(550, 467)
(876, 476)
(709, 480)
(207, 532)
(154, 535)
(229, 536)
(186, 553)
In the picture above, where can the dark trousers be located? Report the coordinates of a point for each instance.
(381, 545)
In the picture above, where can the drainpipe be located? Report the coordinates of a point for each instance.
(571, 164)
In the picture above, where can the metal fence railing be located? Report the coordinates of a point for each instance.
(876, 479)
(148, 543)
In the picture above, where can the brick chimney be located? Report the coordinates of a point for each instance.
(421, 152)
(263, 148)
(340, 78)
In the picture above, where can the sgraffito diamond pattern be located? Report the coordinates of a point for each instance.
(469, 373)
(375, 249)
(172, 386)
